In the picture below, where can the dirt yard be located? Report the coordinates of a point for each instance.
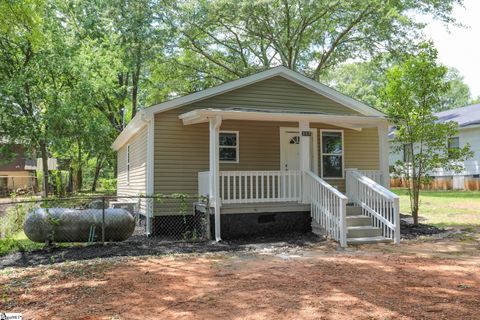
(421, 279)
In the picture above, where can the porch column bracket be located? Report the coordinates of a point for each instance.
(214, 192)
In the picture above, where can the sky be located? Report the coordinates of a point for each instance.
(460, 47)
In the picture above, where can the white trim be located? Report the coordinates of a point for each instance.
(349, 122)
(150, 157)
(284, 130)
(134, 126)
(322, 154)
(128, 164)
(383, 154)
(236, 147)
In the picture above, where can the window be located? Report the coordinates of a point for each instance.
(453, 143)
(332, 154)
(228, 146)
(407, 153)
(128, 163)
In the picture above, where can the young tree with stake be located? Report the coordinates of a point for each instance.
(412, 93)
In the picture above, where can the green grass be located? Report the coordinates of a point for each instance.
(445, 208)
(18, 242)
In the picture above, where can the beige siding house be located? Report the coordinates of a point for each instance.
(274, 148)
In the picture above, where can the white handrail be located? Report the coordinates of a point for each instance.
(377, 202)
(328, 207)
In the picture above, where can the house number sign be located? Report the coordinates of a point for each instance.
(306, 133)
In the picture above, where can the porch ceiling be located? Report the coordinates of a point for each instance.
(350, 122)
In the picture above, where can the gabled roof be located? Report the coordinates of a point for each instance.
(465, 116)
(140, 119)
(264, 75)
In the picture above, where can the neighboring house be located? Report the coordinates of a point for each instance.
(18, 173)
(468, 119)
(275, 152)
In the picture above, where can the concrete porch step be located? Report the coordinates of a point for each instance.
(368, 240)
(353, 211)
(358, 220)
(363, 232)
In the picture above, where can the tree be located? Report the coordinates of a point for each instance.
(365, 81)
(33, 71)
(458, 94)
(223, 40)
(411, 94)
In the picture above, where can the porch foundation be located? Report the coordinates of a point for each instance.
(242, 225)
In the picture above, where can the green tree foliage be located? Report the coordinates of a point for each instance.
(32, 73)
(73, 73)
(365, 81)
(222, 40)
(411, 94)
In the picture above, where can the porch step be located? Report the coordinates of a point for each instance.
(353, 211)
(368, 240)
(359, 220)
(363, 232)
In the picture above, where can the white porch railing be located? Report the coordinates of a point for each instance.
(375, 175)
(328, 207)
(376, 201)
(260, 186)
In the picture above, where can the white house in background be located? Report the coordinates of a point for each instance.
(468, 119)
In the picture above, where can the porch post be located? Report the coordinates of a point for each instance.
(304, 130)
(214, 192)
(383, 153)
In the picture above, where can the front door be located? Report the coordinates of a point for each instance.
(290, 149)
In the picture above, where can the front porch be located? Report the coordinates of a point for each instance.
(311, 178)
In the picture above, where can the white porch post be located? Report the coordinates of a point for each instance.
(214, 192)
(304, 131)
(383, 153)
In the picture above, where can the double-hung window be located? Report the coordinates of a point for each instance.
(332, 154)
(128, 164)
(453, 143)
(228, 146)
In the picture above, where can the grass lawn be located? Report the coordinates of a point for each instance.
(445, 208)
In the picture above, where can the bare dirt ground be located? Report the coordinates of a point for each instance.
(432, 278)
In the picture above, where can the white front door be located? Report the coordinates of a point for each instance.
(290, 149)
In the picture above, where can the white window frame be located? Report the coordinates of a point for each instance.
(332, 154)
(237, 147)
(128, 163)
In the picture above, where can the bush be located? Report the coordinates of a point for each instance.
(108, 184)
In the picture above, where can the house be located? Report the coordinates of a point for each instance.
(274, 152)
(468, 119)
(17, 173)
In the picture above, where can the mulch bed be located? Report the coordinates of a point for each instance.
(410, 231)
(141, 246)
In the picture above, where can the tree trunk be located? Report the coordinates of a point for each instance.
(416, 196)
(98, 167)
(44, 155)
(79, 178)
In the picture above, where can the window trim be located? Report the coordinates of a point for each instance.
(449, 140)
(331, 154)
(237, 147)
(128, 160)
